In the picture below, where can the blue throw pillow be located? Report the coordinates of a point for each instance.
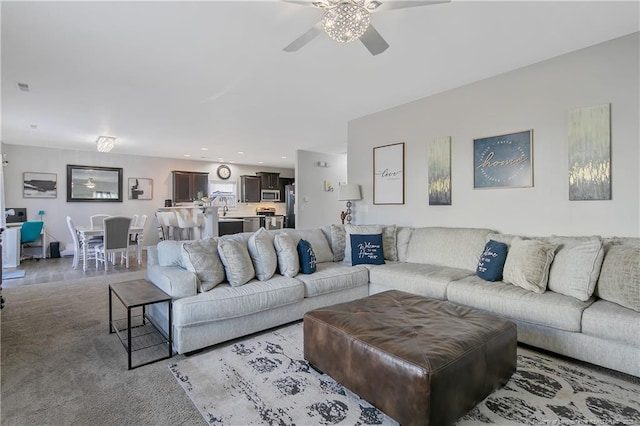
(366, 249)
(307, 257)
(492, 261)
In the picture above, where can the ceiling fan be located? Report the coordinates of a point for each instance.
(348, 20)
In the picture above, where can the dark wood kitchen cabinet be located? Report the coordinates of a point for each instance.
(189, 186)
(249, 189)
(269, 180)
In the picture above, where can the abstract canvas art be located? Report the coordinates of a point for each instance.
(439, 171)
(590, 153)
(39, 185)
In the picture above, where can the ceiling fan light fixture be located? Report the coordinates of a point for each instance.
(105, 143)
(90, 184)
(346, 22)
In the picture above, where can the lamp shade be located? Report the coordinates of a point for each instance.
(349, 192)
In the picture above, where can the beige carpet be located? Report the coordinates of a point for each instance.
(60, 365)
(264, 380)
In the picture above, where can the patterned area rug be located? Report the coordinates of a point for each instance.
(264, 379)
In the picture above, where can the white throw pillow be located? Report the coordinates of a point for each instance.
(237, 262)
(201, 257)
(528, 263)
(576, 266)
(263, 254)
(288, 260)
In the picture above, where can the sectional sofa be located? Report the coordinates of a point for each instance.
(585, 302)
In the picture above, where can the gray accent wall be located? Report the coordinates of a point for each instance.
(536, 97)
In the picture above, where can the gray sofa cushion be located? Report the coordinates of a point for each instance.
(201, 257)
(619, 280)
(417, 278)
(528, 263)
(170, 253)
(318, 241)
(225, 301)
(576, 266)
(263, 254)
(612, 322)
(287, 252)
(332, 276)
(176, 281)
(236, 260)
(548, 309)
(453, 247)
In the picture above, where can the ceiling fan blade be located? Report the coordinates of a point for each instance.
(373, 41)
(304, 38)
(300, 2)
(403, 4)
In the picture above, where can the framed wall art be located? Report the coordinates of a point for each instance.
(590, 153)
(140, 189)
(504, 161)
(92, 183)
(439, 171)
(388, 174)
(39, 185)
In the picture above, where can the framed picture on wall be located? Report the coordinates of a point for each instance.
(388, 174)
(39, 185)
(504, 161)
(140, 189)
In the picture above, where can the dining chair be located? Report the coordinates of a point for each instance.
(134, 238)
(97, 219)
(116, 239)
(77, 245)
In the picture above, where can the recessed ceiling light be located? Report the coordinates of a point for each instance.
(231, 162)
(220, 158)
(283, 157)
(240, 152)
(23, 86)
(204, 149)
(260, 162)
(187, 155)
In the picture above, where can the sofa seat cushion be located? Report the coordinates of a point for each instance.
(453, 247)
(225, 302)
(417, 278)
(333, 276)
(547, 309)
(611, 321)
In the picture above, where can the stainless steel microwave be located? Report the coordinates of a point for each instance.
(270, 195)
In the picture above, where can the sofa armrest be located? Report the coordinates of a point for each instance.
(173, 280)
(152, 256)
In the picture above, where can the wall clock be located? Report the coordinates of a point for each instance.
(224, 172)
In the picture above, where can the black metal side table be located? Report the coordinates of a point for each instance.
(138, 333)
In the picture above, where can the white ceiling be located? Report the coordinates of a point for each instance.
(170, 78)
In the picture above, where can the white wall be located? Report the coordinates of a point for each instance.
(314, 206)
(36, 159)
(536, 97)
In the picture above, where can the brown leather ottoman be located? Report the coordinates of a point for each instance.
(421, 361)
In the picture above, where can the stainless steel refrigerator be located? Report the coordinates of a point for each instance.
(290, 203)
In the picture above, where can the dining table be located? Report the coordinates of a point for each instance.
(87, 232)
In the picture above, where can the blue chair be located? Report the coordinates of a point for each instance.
(29, 233)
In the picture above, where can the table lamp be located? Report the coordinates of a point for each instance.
(349, 192)
(41, 213)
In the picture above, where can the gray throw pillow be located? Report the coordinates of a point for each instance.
(619, 280)
(237, 262)
(338, 242)
(528, 263)
(263, 254)
(287, 251)
(201, 257)
(576, 266)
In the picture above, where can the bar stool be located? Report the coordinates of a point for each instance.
(186, 222)
(168, 223)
